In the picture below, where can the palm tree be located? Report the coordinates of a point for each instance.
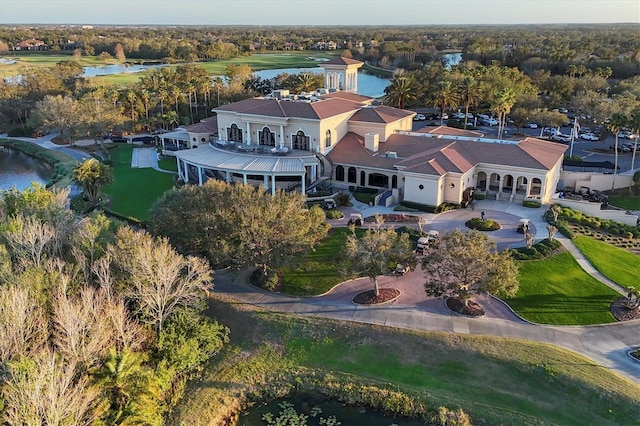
(132, 97)
(307, 82)
(401, 91)
(130, 390)
(617, 122)
(162, 95)
(91, 175)
(502, 103)
(634, 124)
(445, 96)
(469, 94)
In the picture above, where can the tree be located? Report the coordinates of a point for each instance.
(634, 124)
(469, 94)
(118, 51)
(552, 231)
(158, 279)
(238, 225)
(501, 104)
(91, 176)
(617, 122)
(373, 252)
(466, 263)
(56, 114)
(401, 91)
(444, 96)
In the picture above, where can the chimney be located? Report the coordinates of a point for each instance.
(371, 141)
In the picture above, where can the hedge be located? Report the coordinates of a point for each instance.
(539, 250)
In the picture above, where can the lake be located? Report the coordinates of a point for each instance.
(19, 170)
(368, 85)
(116, 69)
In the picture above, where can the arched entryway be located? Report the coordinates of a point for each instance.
(481, 181)
(340, 173)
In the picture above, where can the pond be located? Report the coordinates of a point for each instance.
(309, 405)
(368, 85)
(116, 69)
(19, 170)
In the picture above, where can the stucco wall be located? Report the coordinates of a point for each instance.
(593, 209)
(597, 181)
(429, 195)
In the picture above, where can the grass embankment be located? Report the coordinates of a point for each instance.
(44, 60)
(134, 190)
(624, 199)
(557, 290)
(62, 163)
(496, 381)
(168, 163)
(619, 265)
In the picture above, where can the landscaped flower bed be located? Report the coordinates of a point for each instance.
(482, 224)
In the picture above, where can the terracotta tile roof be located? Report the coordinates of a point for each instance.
(438, 156)
(452, 131)
(365, 100)
(380, 114)
(207, 125)
(342, 61)
(292, 109)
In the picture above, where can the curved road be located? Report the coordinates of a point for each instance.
(607, 345)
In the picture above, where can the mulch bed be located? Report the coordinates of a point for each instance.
(472, 308)
(369, 297)
(396, 218)
(620, 311)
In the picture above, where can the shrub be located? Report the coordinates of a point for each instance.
(531, 204)
(417, 206)
(342, 199)
(333, 214)
(479, 196)
(446, 207)
(482, 225)
(563, 228)
(538, 251)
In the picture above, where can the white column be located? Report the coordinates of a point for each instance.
(227, 176)
(273, 184)
(199, 175)
(179, 168)
(248, 133)
(303, 184)
(186, 173)
(281, 136)
(244, 178)
(528, 187)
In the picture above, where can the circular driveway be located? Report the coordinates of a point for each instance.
(505, 237)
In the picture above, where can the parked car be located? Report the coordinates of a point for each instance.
(559, 137)
(445, 116)
(589, 137)
(119, 139)
(523, 226)
(489, 121)
(532, 125)
(419, 117)
(458, 115)
(144, 139)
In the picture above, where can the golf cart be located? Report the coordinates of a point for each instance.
(355, 219)
(329, 204)
(431, 240)
(523, 226)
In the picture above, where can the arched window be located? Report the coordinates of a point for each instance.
(267, 137)
(327, 139)
(351, 175)
(234, 134)
(394, 181)
(340, 173)
(301, 141)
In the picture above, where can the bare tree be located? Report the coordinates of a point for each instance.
(555, 211)
(28, 237)
(421, 222)
(46, 390)
(552, 231)
(160, 279)
(529, 238)
(23, 325)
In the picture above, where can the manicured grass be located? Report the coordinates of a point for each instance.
(319, 270)
(44, 60)
(494, 380)
(619, 265)
(627, 203)
(557, 290)
(168, 163)
(134, 190)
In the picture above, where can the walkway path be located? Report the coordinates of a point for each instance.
(607, 345)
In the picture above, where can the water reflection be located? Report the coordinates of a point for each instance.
(19, 170)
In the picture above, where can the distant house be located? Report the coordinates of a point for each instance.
(31, 44)
(325, 45)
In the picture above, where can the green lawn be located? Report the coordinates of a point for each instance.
(557, 290)
(617, 264)
(494, 380)
(318, 271)
(168, 163)
(135, 190)
(627, 203)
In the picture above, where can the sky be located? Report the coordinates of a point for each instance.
(315, 12)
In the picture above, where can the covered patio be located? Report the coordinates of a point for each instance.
(288, 172)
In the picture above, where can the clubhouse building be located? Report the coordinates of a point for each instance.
(296, 142)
